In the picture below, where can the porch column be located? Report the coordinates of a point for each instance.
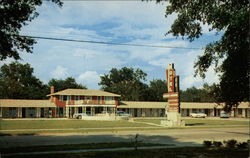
(243, 113)
(84, 109)
(76, 110)
(92, 110)
(211, 112)
(38, 112)
(19, 112)
(105, 109)
(1, 112)
(67, 112)
(236, 112)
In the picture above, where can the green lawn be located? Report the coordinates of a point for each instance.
(62, 124)
(68, 126)
(202, 122)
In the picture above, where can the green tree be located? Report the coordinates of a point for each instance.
(14, 14)
(65, 84)
(193, 94)
(156, 88)
(18, 82)
(230, 54)
(127, 82)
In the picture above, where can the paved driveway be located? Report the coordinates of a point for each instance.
(179, 137)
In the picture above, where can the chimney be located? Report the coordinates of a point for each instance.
(52, 90)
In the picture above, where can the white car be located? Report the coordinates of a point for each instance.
(122, 113)
(80, 115)
(198, 115)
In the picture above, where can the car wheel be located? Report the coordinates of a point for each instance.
(79, 117)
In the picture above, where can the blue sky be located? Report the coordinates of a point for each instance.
(116, 21)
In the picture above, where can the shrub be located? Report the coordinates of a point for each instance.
(242, 145)
(230, 143)
(217, 144)
(207, 143)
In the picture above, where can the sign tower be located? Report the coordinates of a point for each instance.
(173, 97)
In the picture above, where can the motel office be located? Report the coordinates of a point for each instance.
(64, 104)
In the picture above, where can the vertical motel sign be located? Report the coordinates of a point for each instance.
(173, 90)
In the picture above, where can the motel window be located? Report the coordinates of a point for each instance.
(77, 97)
(62, 97)
(109, 98)
(12, 112)
(88, 97)
(68, 97)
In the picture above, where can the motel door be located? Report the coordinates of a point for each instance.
(206, 112)
(23, 112)
(135, 112)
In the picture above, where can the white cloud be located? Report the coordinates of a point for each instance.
(120, 21)
(59, 73)
(90, 78)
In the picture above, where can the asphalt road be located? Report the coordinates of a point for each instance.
(178, 137)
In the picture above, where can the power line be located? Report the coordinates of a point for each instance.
(105, 43)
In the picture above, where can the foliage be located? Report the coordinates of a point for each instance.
(230, 54)
(127, 82)
(230, 143)
(13, 16)
(207, 143)
(193, 94)
(17, 82)
(217, 144)
(242, 145)
(156, 89)
(65, 84)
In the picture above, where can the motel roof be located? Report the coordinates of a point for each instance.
(84, 92)
(142, 104)
(184, 105)
(25, 103)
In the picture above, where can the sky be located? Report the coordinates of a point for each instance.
(110, 21)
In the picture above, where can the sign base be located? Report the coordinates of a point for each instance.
(173, 120)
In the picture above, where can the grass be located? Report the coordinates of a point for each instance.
(62, 124)
(202, 122)
(32, 127)
(183, 152)
(22, 127)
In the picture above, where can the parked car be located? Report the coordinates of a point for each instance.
(122, 113)
(224, 114)
(198, 115)
(80, 115)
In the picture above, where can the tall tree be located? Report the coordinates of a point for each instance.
(65, 84)
(193, 94)
(127, 82)
(230, 54)
(18, 82)
(14, 14)
(156, 88)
